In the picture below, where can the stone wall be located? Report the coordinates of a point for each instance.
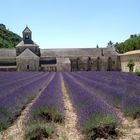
(92, 64)
(7, 61)
(63, 64)
(27, 64)
(94, 59)
(101, 63)
(8, 68)
(49, 68)
(125, 59)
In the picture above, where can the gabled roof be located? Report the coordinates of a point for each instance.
(27, 54)
(27, 30)
(131, 52)
(22, 44)
(78, 52)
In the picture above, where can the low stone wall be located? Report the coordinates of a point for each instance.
(8, 68)
(49, 68)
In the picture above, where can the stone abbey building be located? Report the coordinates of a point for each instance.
(29, 57)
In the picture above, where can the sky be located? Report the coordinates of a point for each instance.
(72, 23)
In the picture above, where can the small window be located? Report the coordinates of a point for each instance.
(27, 36)
(27, 67)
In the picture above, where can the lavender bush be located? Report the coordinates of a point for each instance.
(13, 86)
(12, 104)
(91, 110)
(49, 106)
(117, 97)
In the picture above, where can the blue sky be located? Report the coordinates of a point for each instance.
(72, 23)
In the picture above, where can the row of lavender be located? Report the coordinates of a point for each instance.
(114, 79)
(15, 95)
(9, 77)
(91, 110)
(120, 90)
(49, 106)
(13, 85)
(46, 111)
(94, 96)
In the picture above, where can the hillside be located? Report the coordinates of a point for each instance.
(132, 43)
(8, 39)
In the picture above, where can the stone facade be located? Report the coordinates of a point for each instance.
(27, 61)
(132, 55)
(63, 64)
(7, 60)
(29, 57)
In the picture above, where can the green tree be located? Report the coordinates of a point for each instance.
(8, 39)
(130, 65)
(110, 44)
(97, 46)
(133, 43)
(2, 26)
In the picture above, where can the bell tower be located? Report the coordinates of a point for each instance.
(27, 42)
(27, 36)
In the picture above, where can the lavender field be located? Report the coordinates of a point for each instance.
(97, 99)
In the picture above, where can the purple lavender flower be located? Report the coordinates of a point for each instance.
(49, 106)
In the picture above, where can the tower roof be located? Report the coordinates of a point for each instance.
(22, 44)
(27, 30)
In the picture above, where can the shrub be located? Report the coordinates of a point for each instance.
(98, 121)
(38, 131)
(47, 115)
(137, 73)
(131, 65)
(2, 126)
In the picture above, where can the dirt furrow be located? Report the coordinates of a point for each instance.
(16, 131)
(130, 129)
(70, 131)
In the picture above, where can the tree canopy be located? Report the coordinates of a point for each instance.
(133, 43)
(110, 44)
(8, 39)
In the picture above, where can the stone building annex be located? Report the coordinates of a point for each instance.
(29, 57)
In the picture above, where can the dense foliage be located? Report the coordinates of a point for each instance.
(8, 39)
(131, 65)
(133, 43)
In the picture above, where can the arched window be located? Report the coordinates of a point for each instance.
(98, 64)
(89, 64)
(78, 63)
(27, 36)
(109, 64)
(27, 67)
